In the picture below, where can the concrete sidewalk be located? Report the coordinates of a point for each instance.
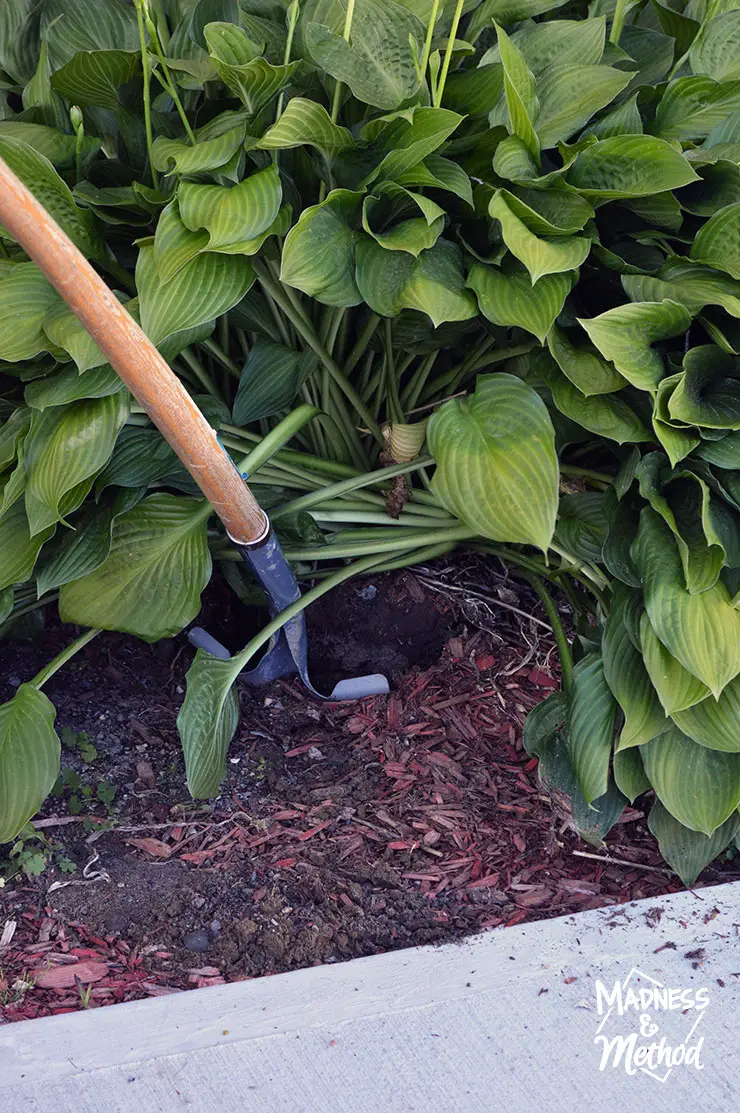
(504, 1021)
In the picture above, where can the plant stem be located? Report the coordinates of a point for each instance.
(430, 36)
(220, 355)
(293, 13)
(166, 79)
(204, 377)
(448, 54)
(276, 438)
(308, 334)
(355, 483)
(61, 659)
(561, 640)
(345, 35)
(361, 343)
(587, 473)
(146, 73)
(618, 22)
(378, 544)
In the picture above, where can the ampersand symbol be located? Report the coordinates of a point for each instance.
(647, 1028)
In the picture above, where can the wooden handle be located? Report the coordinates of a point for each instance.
(131, 353)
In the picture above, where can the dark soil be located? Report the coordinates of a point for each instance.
(342, 829)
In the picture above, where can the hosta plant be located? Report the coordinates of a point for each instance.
(440, 272)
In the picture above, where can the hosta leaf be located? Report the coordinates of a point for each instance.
(687, 852)
(708, 393)
(66, 445)
(45, 184)
(25, 299)
(150, 584)
(87, 25)
(174, 244)
(306, 123)
(679, 27)
(625, 336)
(510, 299)
(590, 726)
(512, 160)
(629, 681)
(94, 77)
(692, 106)
(699, 787)
(561, 41)
(677, 688)
(540, 255)
(66, 331)
(217, 143)
(508, 11)
(207, 722)
(12, 432)
(141, 457)
(714, 723)
(272, 376)
(717, 242)
(409, 142)
(549, 212)
(607, 415)
(55, 145)
(496, 463)
(629, 774)
(583, 365)
(570, 94)
(701, 631)
(624, 517)
(677, 440)
(232, 215)
(400, 220)
(378, 62)
(716, 51)
(84, 547)
(239, 65)
(319, 251)
(432, 283)
(629, 166)
(202, 290)
(19, 549)
(69, 386)
(439, 173)
(581, 526)
(521, 93)
(688, 283)
(29, 758)
(623, 120)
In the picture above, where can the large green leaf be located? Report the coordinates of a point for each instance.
(570, 94)
(687, 852)
(582, 525)
(714, 723)
(87, 25)
(629, 166)
(95, 77)
(84, 547)
(698, 786)
(150, 583)
(549, 212)
(272, 376)
(400, 220)
(66, 331)
(18, 547)
(560, 41)
(496, 463)
(607, 415)
(692, 106)
(66, 445)
(716, 50)
(701, 631)
(140, 458)
(239, 65)
(629, 681)
(590, 725)
(207, 721)
(688, 283)
(218, 142)
(439, 173)
(55, 145)
(625, 336)
(521, 93)
(29, 758)
(69, 386)
(510, 299)
(541, 255)
(306, 123)
(629, 774)
(174, 244)
(25, 299)
(53, 193)
(406, 142)
(583, 365)
(708, 393)
(717, 242)
(319, 252)
(202, 290)
(432, 283)
(377, 64)
(675, 686)
(232, 216)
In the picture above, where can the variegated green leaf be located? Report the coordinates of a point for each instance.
(687, 852)
(232, 216)
(629, 681)
(625, 336)
(676, 687)
(541, 255)
(590, 725)
(510, 299)
(698, 786)
(29, 758)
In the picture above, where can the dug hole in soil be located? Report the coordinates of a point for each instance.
(342, 829)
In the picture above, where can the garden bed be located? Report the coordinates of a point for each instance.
(342, 829)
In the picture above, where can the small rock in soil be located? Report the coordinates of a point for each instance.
(198, 941)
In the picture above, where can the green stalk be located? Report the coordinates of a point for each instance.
(428, 41)
(376, 544)
(453, 378)
(146, 74)
(276, 438)
(61, 659)
(335, 490)
(166, 78)
(618, 23)
(448, 54)
(309, 336)
(221, 357)
(293, 13)
(360, 345)
(204, 377)
(566, 657)
(302, 462)
(379, 518)
(345, 35)
(417, 382)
